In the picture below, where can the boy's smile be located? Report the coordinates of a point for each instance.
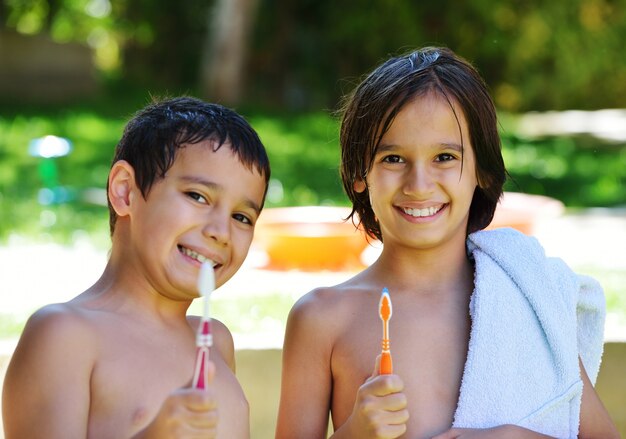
(196, 256)
(205, 208)
(423, 177)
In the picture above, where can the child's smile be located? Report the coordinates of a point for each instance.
(203, 209)
(196, 256)
(425, 212)
(423, 177)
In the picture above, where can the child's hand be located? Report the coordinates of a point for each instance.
(380, 410)
(186, 414)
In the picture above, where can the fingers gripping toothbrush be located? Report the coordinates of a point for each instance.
(385, 311)
(204, 338)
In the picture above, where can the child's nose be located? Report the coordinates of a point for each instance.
(419, 180)
(217, 227)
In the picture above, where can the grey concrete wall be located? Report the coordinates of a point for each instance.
(37, 69)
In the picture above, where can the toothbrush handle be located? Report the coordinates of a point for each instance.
(201, 372)
(386, 364)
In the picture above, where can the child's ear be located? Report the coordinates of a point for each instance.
(359, 186)
(121, 186)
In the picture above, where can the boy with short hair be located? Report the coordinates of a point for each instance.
(187, 184)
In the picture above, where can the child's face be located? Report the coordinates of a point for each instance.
(423, 176)
(205, 207)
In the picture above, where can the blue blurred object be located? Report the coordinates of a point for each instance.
(49, 147)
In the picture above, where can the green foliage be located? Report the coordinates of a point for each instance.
(580, 171)
(250, 314)
(303, 150)
(11, 326)
(304, 156)
(79, 173)
(535, 55)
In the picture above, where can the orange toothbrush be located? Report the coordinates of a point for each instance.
(385, 311)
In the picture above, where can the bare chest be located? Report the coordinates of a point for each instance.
(132, 377)
(429, 350)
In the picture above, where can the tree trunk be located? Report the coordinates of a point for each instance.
(226, 50)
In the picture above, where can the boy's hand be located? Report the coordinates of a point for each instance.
(186, 414)
(380, 410)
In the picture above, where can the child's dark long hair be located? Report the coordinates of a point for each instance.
(371, 108)
(155, 133)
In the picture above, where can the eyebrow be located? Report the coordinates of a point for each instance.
(218, 188)
(444, 145)
(454, 146)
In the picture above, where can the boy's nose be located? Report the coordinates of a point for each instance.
(419, 181)
(217, 227)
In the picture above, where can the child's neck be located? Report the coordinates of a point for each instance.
(122, 288)
(443, 268)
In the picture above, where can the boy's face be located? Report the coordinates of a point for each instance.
(423, 176)
(206, 206)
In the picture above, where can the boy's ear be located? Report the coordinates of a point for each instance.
(121, 186)
(359, 186)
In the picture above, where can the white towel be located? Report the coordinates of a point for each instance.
(532, 317)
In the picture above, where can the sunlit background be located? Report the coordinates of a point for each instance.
(72, 72)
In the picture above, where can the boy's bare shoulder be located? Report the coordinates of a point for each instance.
(222, 338)
(58, 329)
(58, 319)
(60, 337)
(218, 328)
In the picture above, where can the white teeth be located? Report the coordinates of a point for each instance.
(419, 213)
(197, 256)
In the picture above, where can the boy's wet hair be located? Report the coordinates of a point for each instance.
(370, 109)
(153, 136)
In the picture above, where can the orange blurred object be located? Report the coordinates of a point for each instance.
(524, 211)
(309, 238)
(313, 238)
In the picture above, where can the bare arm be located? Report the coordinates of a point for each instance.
(223, 342)
(46, 388)
(306, 375)
(594, 419)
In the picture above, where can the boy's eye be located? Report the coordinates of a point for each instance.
(242, 218)
(196, 196)
(392, 159)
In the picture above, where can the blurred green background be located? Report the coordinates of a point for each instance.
(78, 69)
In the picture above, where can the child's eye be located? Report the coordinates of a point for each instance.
(445, 157)
(242, 218)
(392, 159)
(196, 196)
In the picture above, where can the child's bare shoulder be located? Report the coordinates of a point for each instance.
(222, 339)
(60, 337)
(321, 310)
(58, 323)
(58, 334)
